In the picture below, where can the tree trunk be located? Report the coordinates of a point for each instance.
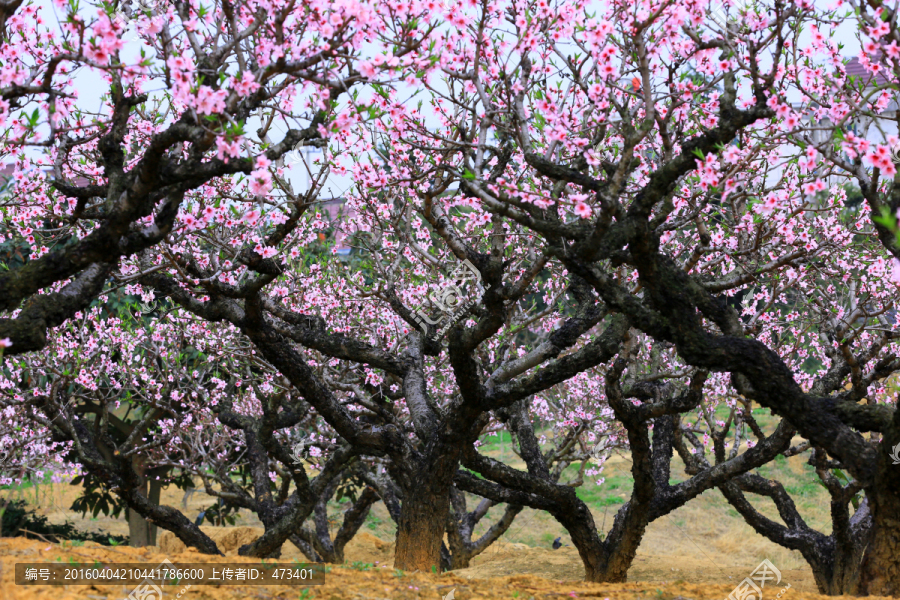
(153, 496)
(849, 539)
(881, 566)
(880, 570)
(425, 511)
(420, 532)
(460, 549)
(140, 531)
(595, 556)
(837, 578)
(354, 517)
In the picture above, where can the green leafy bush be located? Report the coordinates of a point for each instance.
(19, 521)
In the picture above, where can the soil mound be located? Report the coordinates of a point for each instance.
(505, 560)
(228, 539)
(366, 548)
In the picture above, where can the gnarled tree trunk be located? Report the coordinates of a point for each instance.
(423, 519)
(142, 532)
(880, 570)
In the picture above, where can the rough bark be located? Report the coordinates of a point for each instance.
(880, 570)
(423, 520)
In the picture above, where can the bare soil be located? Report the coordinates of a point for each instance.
(702, 550)
(557, 574)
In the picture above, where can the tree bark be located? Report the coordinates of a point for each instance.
(423, 519)
(579, 524)
(155, 491)
(140, 531)
(880, 570)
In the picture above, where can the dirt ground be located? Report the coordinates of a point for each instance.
(558, 570)
(702, 550)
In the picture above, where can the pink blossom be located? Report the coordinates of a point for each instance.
(246, 85)
(768, 205)
(210, 101)
(260, 182)
(265, 251)
(250, 217)
(227, 148)
(895, 270)
(262, 162)
(366, 69)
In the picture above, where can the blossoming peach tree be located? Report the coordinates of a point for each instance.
(140, 401)
(660, 156)
(164, 150)
(546, 196)
(526, 174)
(96, 181)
